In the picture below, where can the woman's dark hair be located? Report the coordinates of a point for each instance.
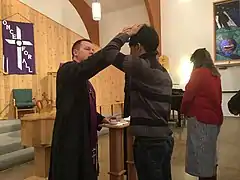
(202, 58)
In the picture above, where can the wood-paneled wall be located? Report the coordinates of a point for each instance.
(52, 45)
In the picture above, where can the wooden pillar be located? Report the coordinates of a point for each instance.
(116, 150)
(154, 14)
(42, 161)
(36, 131)
(51, 79)
(132, 175)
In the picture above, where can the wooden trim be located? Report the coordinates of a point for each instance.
(85, 12)
(154, 14)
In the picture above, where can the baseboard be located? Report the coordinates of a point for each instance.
(232, 117)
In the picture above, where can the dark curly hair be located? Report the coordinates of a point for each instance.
(147, 37)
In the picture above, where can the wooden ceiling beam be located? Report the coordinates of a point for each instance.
(154, 13)
(85, 12)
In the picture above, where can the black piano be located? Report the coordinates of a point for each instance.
(177, 95)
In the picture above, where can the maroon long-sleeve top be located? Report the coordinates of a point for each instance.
(203, 97)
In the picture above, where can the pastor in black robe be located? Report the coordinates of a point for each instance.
(71, 153)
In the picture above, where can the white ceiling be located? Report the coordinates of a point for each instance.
(116, 5)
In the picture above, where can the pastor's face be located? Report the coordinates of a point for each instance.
(84, 51)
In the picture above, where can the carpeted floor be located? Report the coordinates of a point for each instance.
(229, 156)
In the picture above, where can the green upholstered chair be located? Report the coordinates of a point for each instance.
(23, 101)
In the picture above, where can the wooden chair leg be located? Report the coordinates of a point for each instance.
(16, 113)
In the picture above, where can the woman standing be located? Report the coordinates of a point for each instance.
(201, 105)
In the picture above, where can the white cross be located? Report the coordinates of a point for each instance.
(18, 41)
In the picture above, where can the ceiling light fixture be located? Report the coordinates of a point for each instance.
(96, 10)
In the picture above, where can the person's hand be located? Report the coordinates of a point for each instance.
(106, 120)
(132, 30)
(126, 29)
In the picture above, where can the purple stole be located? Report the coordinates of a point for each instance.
(94, 122)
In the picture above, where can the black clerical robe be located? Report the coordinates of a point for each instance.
(71, 153)
(126, 112)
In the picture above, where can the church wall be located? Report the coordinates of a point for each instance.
(61, 11)
(186, 26)
(113, 22)
(52, 44)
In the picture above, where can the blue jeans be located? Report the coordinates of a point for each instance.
(153, 158)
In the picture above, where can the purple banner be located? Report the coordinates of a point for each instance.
(18, 47)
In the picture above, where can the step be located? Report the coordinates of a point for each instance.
(22, 156)
(9, 125)
(11, 151)
(10, 142)
(16, 158)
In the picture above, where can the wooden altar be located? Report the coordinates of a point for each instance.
(132, 174)
(36, 131)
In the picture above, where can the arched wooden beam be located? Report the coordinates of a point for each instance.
(85, 12)
(154, 14)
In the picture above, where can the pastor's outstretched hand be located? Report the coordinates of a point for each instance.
(132, 30)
